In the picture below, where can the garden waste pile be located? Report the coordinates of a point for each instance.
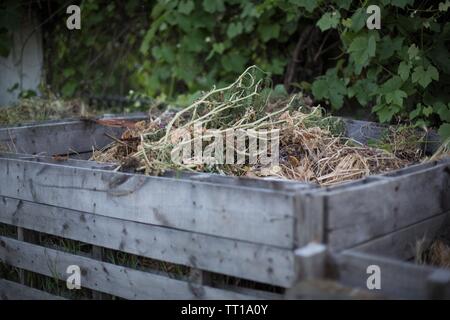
(38, 109)
(312, 147)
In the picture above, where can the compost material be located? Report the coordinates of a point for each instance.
(37, 109)
(312, 145)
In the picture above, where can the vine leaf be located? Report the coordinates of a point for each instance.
(424, 77)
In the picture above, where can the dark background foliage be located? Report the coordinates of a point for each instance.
(171, 50)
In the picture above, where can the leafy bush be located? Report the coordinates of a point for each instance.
(175, 48)
(401, 70)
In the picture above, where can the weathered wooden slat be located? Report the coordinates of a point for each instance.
(246, 260)
(398, 279)
(309, 225)
(249, 214)
(364, 131)
(57, 138)
(326, 289)
(266, 183)
(363, 212)
(105, 277)
(58, 160)
(401, 244)
(10, 290)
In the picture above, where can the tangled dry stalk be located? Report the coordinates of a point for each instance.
(312, 147)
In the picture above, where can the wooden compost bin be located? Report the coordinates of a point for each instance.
(251, 229)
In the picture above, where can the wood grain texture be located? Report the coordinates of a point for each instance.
(399, 279)
(56, 138)
(241, 259)
(10, 290)
(249, 214)
(401, 244)
(105, 277)
(366, 211)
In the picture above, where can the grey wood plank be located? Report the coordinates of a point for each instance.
(241, 259)
(399, 279)
(10, 290)
(364, 131)
(401, 244)
(310, 219)
(249, 214)
(366, 211)
(105, 277)
(79, 163)
(57, 138)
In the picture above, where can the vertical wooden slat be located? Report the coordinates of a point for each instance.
(28, 236)
(97, 253)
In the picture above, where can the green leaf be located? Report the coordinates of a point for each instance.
(343, 4)
(444, 132)
(427, 111)
(358, 19)
(329, 20)
(269, 31)
(309, 5)
(440, 56)
(443, 111)
(444, 6)
(212, 6)
(403, 70)
(391, 85)
(148, 38)
(413, 51)
(388, 46)
(361, 90)
(362, 49)
(416, 112)
(396, 97)
(68, 72)
(424, 77)
(69, 88)
(186, 7)
(331, 88)
(233, 62)
(386, 112)
(401, 3)
(320, 89)
(234, 29)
